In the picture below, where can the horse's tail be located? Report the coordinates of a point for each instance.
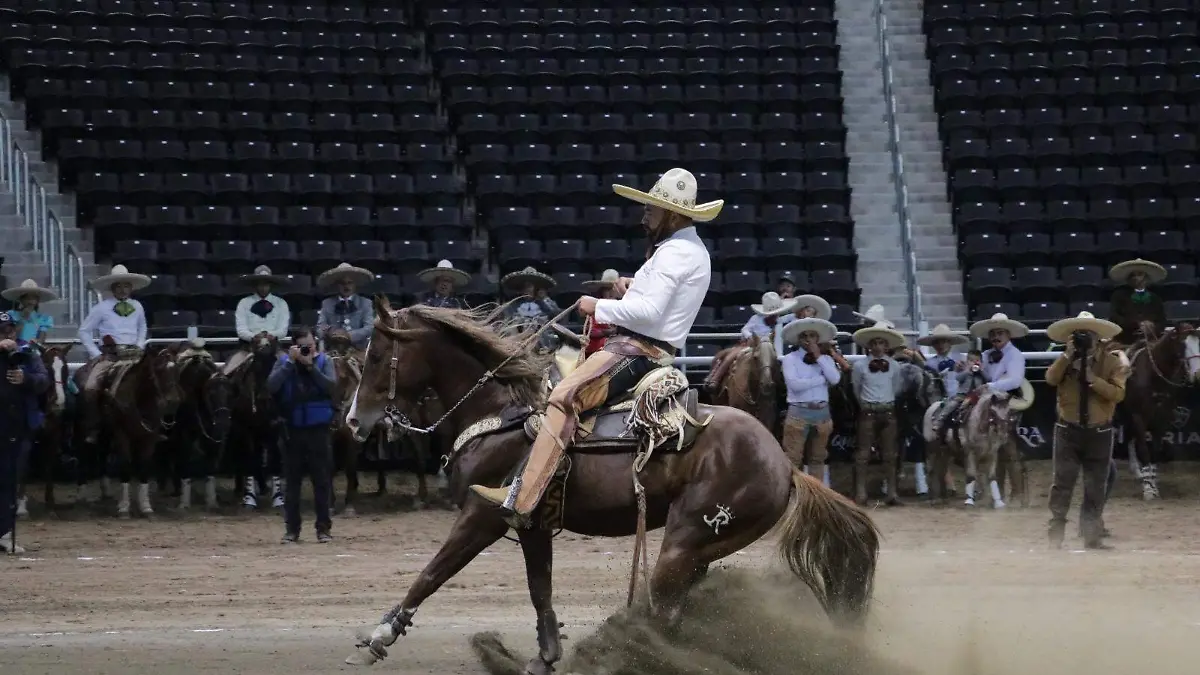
(832, 546)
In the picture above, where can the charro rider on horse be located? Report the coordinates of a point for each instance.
(537, 308)
(445, 280)
(761, 325)
(121, 323)
(653, 316)
(347, 311)
(1133, 303)
(258, 314)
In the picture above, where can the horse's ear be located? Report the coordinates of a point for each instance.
(383, 306)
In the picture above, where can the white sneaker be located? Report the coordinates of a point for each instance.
(7, 546)
(23, 507)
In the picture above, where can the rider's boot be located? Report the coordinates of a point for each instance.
(1056, 532)
(522, 497)
(892, 472)
(720, 366)
(250, 493)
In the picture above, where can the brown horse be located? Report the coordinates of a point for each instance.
(752, 381)
(1160, 367)
(50, 437)
(255, 432)
(140, 395)
(724, 491)
(202, 424)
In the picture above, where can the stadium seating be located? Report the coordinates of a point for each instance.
(204, 138)
(1070, 143)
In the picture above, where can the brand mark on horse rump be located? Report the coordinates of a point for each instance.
(722, 518)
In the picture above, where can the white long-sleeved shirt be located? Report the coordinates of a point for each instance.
(104, 320)
(949, 375)
(809, 382)
(1008, 373)
(757, 325)
(667, 291)
(249, 324)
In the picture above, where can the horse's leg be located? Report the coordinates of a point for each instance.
(477, 527)
(1149, 472)
(422, 463)
(124, 470)
(538, 549)
(143, 461)
(972, 471)
(350, 450)
(991, 464)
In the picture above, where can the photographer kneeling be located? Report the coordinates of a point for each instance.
(302, 381)
(1090, 380)
(20, 416)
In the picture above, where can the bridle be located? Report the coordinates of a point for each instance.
(1149, 351)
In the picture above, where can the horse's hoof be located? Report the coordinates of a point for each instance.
(539, 667)
(123, 515)
(349, 512)
(362, 657)
(999, 505)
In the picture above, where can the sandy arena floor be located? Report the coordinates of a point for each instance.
(219, 594)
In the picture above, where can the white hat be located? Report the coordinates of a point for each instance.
(358, 275)
(262, 275)
(942, 332)
(881, 329)
(773, 305)
(825, 331)
(1121, 271)
(515, 280)
(28, 287)
(824, 311)
(606, 280)
(675, 191)
(121, 274)
(444, 268)
(874, 315)
(1016, 329)
(1060, 331)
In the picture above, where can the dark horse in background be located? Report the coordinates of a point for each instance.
(53, 434)
(716, 495)
(752, 383)
(202, 424)
(134, 413)
(1161, 366)
(254, 435)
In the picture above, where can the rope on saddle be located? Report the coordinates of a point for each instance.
(640, 549)
(587, 336)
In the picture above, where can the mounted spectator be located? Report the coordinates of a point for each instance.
(536, 308)
(446, 280)
(347, 311)
(1133, 302)
(32, 325)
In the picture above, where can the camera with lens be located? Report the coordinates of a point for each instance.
(15, 359)
(305, 350)
(1082, 341)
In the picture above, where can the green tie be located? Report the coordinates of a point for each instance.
(124, 309)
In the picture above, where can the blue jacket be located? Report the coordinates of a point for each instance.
(36, 383)
(303, 394)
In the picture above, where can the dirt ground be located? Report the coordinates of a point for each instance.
(203, 594)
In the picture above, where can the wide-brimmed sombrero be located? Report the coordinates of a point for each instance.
(874, 315)
(1016, 329)
(825, 331)
(1060, 331)
(121, 274)
(942, 332)
(262, 275)
(881, 329)
(28, 287)
(675, 191)
(606, 280)
(1121, 271)
(517, 280)
(357, 275)
(819, 305)
(444, 268)
(773, 305)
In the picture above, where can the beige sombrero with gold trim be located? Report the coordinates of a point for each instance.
(675, 191)
(358, 275)
(773, 305)
(516, 280)
(942, 332)
(825, 331)
(28, 287)
(881, 329)
(1060, 331)
(819, 304)
(444, 268)
(1121, 271)
(121, 274)
(1016, 329)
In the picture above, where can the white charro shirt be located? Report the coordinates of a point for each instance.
(104, 320)
(757, 325)
(667, 291)
(249, 324)
(809, 382)
(1007, 374)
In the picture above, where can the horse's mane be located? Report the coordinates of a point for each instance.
(512, 363)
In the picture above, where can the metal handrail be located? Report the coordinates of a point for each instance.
(901, 179)
(63, 260)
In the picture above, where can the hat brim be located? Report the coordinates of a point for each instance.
(1015, 329)
(458, 277)
(15, 294)
(786, 308)
(597, 285)
(137, 281)
(953, 338)
(824, 311)
(863, 336)
(1025, 400)
(701, 213)
(1121, 271)
(825, 331)
(1060, 331)
(360, 276)
(518, 279)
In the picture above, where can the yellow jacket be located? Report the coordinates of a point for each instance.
(1109, 369)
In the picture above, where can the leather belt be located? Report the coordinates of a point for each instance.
(665, 346)
(812, 405)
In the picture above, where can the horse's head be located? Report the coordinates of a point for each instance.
(450, 350)
(347, 373)
(1191, 349)
(218, 399)
(265, 347)
(161, 374)
(338, 341)
(1170, 352)
(920, 384)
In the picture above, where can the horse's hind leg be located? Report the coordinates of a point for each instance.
(478, 527)
(538, 550)
(972, 471)
(350, 451)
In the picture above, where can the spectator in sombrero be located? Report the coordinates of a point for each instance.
(1133, 302)
(604, 289)
(348, 311)
(262, 313)
(535, 308)
(33, 325)
(444, 280)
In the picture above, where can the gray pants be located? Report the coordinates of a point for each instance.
(1087, 450)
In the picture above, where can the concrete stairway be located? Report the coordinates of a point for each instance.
(877, 231)
(934, 240)
(21, 261)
